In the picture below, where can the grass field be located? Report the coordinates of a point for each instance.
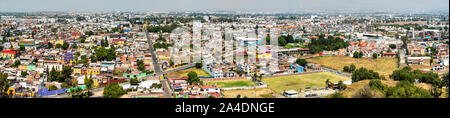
(296, 82)
(384, 66)
(183, 73)
(233, 83)
(249, 93)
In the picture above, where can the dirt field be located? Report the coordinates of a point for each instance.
(296, 82)
(384, 66)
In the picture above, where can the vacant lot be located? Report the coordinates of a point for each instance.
(296, 82)
(183, 73)
(249, 93)
(384, 66)
(233, 83)
(354, 87)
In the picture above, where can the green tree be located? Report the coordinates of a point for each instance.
(393, 46)
(198, 65)
(50, 45)
(65, 46)
(4, 83)
(282, 41)
(35, 60)
(16, 63)
(66, 74)
(374, 55)
(53, 75)
(193, 78)
(328, 82)
(105, 54)
(352, 67)
(65, 85)
(363, 74)
(24, 73)
(341, 85)
(346, 69)
(436, 92)
(58, 46)
(113, 90)
(93, 58)
(22, 48)
(88, 81)
(134, 81)
(140, 64)
(376, 84)
(445, 81)
(405, 89)
(356, 55)
(52, 87)
(301, 62)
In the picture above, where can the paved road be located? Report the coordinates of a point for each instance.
(156, 65)
(402, 56)
(166, 88)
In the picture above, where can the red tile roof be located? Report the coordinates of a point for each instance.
(118, 40)
(9, 51)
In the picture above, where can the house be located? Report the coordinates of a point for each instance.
(437, 67)
(120, 42)
(418, 60)
(8, 54)
(298, 69)
(57, 65)
(209, 89)
(314, 67)
(389, 54)
(416, 49)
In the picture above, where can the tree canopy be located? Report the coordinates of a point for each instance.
(105, 54)
(113, 90)
(328, 44)
(363, 74)
(193, 78)
(406, 74)
(402, 89)
(301, 62)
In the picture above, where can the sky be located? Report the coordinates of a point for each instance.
(222, 5)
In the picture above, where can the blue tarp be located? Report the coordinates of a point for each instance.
(45, 92)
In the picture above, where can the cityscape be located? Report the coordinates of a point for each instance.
(223, 53)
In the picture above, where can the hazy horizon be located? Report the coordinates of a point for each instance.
(225, 5)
